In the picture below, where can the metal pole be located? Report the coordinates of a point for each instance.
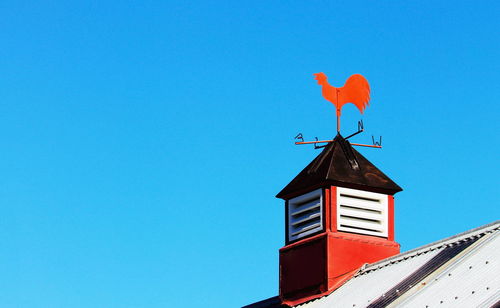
(338, 111)
(338, 120)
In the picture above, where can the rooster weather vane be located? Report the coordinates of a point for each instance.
(356, 90)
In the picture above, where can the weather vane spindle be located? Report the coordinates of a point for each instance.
(356, 90)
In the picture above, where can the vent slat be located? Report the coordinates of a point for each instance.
(306, 207)
(360, 213)
(361, 223)
(362, 231)
(358, 194)
(310, 217)
(302, 230)
(360, 203)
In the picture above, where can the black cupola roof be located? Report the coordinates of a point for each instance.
(339, 164)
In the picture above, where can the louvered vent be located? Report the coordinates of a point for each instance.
(362, 212)
(305, 215)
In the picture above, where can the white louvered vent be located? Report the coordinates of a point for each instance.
(305, 215)
(362, 212)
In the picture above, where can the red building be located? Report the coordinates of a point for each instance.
(340, 248)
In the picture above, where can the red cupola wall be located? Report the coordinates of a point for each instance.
(339, 215)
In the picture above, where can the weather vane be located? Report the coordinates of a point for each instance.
(356, 90)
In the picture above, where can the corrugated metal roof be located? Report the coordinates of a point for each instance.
(472, 280)
(445, 255)
(461, 271)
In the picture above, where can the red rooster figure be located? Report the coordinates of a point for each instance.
(356, 90)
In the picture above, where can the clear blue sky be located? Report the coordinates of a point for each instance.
(143, 142)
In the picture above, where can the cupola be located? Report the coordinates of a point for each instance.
(339, 214)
